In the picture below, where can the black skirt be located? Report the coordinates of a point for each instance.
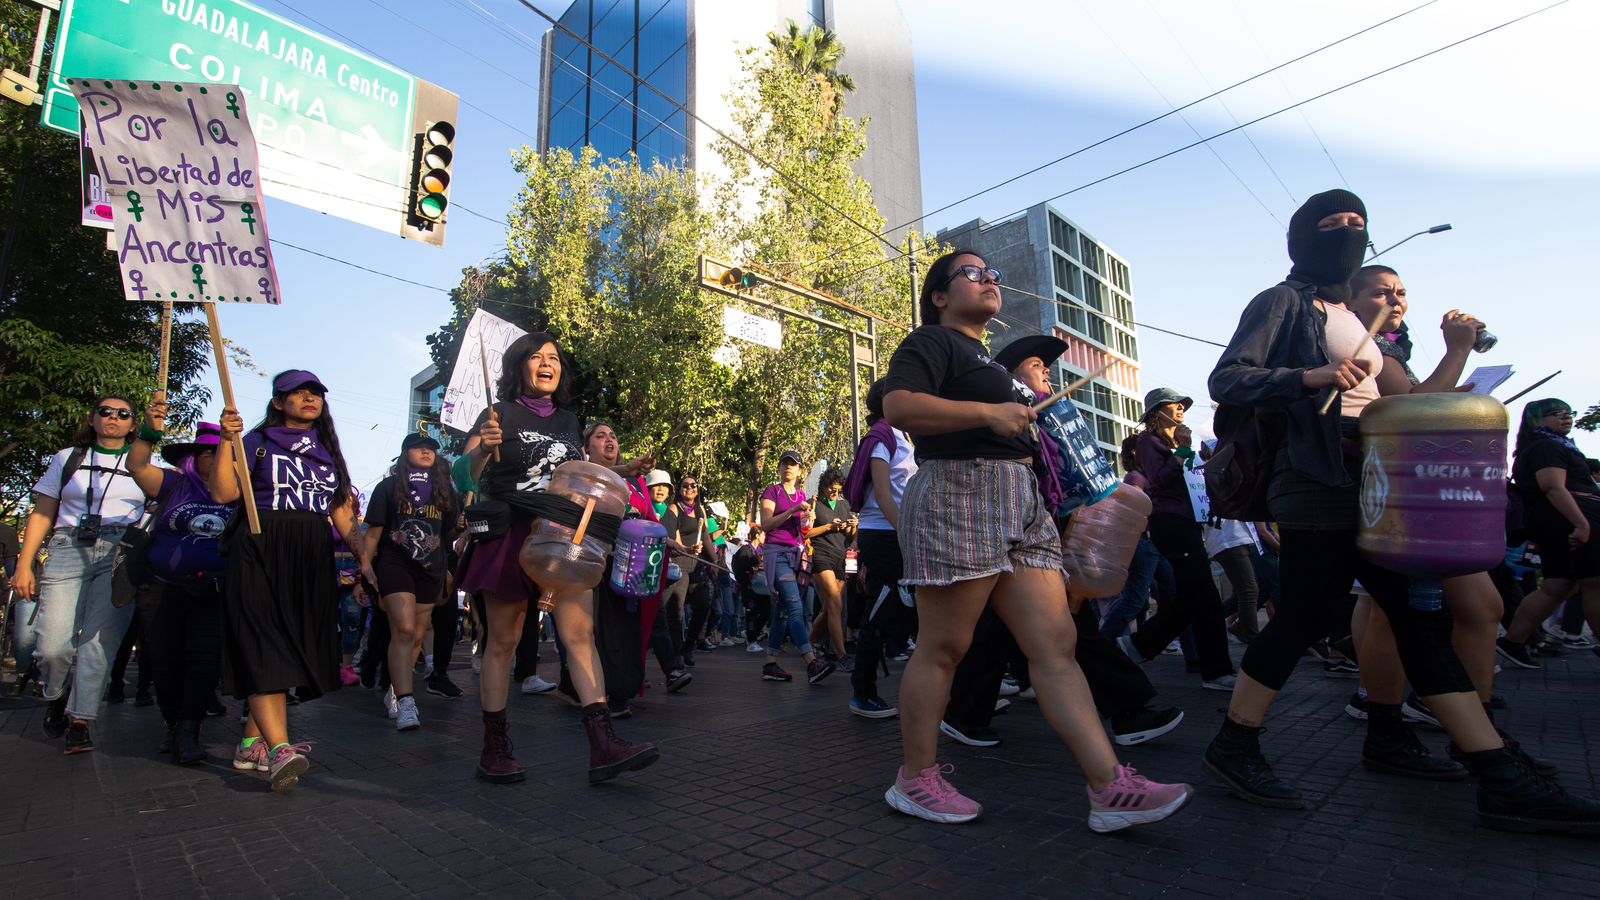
(280, 614)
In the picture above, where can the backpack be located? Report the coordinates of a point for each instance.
(1248, 442)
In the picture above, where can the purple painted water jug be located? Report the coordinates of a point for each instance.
(1433, 487)
(637, 557)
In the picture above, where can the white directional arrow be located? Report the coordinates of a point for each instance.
(371, 144)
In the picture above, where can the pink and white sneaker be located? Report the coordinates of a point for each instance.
(929, 796)
(287, 766)
(1132, 799)
(251, 758)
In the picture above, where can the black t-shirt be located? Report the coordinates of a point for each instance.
(532, 447)
(416, 534)
(831, 545)
(1546, 453)
(950, 365)
(688, 530)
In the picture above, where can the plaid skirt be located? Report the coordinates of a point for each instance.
(964, 519)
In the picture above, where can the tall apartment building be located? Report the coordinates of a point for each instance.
(688, 49)
(1066, 284)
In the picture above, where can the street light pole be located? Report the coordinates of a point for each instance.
(1434, 230)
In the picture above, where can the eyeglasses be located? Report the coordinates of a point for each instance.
(976, 274)
(836, 489)
(113, 412)
(689, 486)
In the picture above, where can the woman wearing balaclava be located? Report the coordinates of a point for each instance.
(1297, 342)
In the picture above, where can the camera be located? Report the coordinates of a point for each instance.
(88, 533)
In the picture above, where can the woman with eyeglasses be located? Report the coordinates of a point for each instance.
(1376, 292)
(181, 616)
(1296, 344)
(280, 612)
(831, 533)
(81, 506)
(786, 515)
(976, 535)
(1563, 503)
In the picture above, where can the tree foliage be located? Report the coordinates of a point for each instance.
(605, 254)
(66, 334)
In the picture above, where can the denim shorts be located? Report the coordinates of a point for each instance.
(965, 519)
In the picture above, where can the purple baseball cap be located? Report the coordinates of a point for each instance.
(207, 436)
(294, 379)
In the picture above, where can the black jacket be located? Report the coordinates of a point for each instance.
(1281, 334)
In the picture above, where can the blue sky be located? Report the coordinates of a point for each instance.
(1496, 137)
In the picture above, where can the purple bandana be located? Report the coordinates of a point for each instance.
(419, 484)
(301, 443)
(539, 406)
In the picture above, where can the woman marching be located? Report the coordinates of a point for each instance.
(785, 512)
(620, 627)
(183, 627)
(415, 509)
(975, 533)
(83, 503)
(532, 386)
(830, 538)
(280, 613)
(1296, 344)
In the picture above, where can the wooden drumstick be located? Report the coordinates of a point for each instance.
(1056, 397)
(1372, 332)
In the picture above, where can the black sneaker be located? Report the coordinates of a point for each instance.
(1513, 797)
(678, 680)
(1417, 713)
(142, 697)
(1516, 654)
(1403, 753)
(440, 685)
(1547, 648)
(78, 740)
(1145, 725)
(1235, 757)
(771, 672)
(688, 656)
(214, 706)
(55, 718)
(1341, 668)
(976, 736)
(1543, 766)
(705, 646)
(1357, 707)
(818, 669)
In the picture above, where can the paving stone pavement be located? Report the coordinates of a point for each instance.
(765, 789)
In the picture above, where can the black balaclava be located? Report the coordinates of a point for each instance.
(1327, 259)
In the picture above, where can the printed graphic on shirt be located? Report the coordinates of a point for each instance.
(299, 483)
(546, 454)
(418, 533)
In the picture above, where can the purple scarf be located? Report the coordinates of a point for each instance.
(299, 443)
(419, 484)
(855, 484)
(1049, 456)
(539, 406)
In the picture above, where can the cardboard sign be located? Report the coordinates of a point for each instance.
(178, 163)
(92, 188)
(466, 396)
(1195, 481)
(1086, 476)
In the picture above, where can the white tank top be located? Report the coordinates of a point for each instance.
(1347, 339)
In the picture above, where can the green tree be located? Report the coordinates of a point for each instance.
(66, 333)
(1590, 420)
(816, 54)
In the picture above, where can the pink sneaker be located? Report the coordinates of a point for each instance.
(287, 766)
(1132, 799)
(252, 758)
(348, 676)
(929, 796)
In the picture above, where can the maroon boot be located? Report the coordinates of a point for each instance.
(496, 763)
(609, 755)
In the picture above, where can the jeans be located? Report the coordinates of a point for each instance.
(350, 615)
(79, 630)
(1135, 598)
(728, 606)
(24, 632)
(788, 613)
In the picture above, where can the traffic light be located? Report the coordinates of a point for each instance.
(738, 279)
(426, 207)
(431, 197)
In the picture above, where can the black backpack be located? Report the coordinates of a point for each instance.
(1248, 442)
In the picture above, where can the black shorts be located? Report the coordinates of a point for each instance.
(822, 561)
(397, 575)
(1561, 560)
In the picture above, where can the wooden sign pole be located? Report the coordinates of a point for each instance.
(246, 490)
(166, 351)
(488, 387)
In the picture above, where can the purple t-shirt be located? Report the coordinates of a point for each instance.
(186, 541)
(787, 534)
(295, 477)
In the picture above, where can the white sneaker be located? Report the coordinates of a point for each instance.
(1028, 695)
(727, 642)
(407, 718)
(1009, 689)
(754, 647)
(533, 684)
(1222, 683)
(389, 705)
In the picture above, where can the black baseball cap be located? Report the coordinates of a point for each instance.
(791, 455)
(417, 439)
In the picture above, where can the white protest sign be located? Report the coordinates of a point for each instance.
(1195, 481)
(178, 163)
(466, 396)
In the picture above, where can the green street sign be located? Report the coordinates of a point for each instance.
(335, 127)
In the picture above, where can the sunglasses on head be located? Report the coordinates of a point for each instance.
(976, 274)
(113, 412)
